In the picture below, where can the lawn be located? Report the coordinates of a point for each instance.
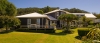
(32, 37)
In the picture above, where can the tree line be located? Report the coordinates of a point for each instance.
(21, 11)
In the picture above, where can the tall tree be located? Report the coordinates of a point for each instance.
(7, 8)
(47, 9)
(9, 21)
(7, 14)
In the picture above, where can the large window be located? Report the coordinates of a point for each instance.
(38, 21)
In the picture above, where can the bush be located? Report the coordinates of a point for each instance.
(90, 26)
(70, 31)
(73, 27)
(83, 31)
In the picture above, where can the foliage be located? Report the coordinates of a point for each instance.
(7, 14)
(93, 36)
(21, 11)
(7, 8)
(70, 31)
(47, 9)
(83, 31)
(75, 10)
(97, 15)
(98, 25)
(67, 18)
(40, 11)
(73, 27)
(90, 26)
(7, 21)
(85, 21)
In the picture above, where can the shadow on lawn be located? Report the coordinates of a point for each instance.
(78, 37)
(60, 33)
(6, 32)
(51, 32)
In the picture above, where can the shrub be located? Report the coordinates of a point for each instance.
(63, 27)
(73, 27)
(90, 26)
(68, 31)
(83, 31)
(38, 30)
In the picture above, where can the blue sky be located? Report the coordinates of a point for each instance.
(88, 5)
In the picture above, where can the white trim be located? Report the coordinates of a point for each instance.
(31, 15)
(56, 11)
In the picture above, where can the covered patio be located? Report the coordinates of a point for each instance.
(32, 20)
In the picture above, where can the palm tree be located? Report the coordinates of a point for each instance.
(67, 18)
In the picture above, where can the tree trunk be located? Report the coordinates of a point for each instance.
(68, 25)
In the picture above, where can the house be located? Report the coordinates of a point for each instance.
(87, 15)
(36, 20)
(97, 20)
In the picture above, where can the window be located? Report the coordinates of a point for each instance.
(38, 21)
(77, 15)
(81, 15)
(57, 13)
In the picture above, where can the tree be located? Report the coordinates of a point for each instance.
(85, 21)
(47, 9)
(97, 15)
(8, 21)
(75, 10)
(7, 8)
(7, 14)
(67, 18)
(21, 11)
(40, 11)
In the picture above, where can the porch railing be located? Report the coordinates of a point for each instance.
(36, 26)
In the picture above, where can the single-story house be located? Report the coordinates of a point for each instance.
(36, 20)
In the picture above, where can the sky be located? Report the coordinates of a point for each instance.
(87, 5)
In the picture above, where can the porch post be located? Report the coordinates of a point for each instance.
(46, 25)
(42, 22)
(50, 24)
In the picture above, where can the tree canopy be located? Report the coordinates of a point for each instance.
(7, 8)
(7, 15)
(75, 10)
(97, 15)
(67, 18)
(40, 11)
(46, 9)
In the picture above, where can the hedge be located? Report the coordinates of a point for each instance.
(83, 31)
(38, 30)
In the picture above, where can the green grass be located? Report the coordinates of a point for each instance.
(31, 37)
